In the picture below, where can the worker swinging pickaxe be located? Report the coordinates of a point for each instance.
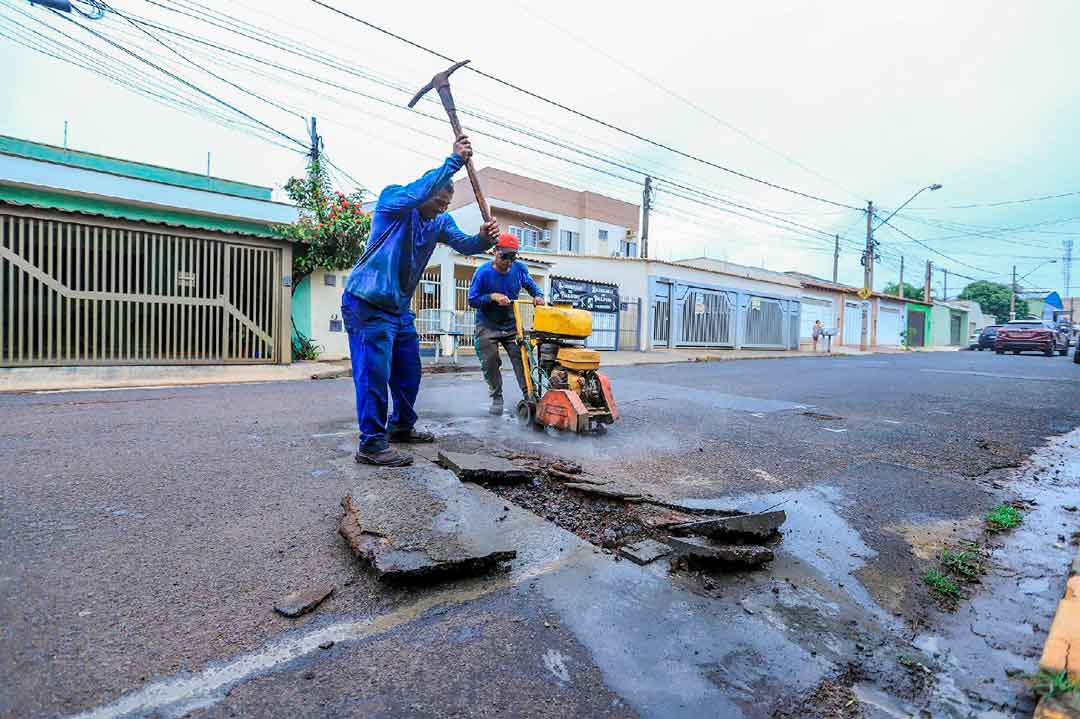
(441, 83)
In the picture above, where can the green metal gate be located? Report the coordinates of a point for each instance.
(74, 293)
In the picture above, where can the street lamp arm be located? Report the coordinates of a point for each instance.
(932, 187)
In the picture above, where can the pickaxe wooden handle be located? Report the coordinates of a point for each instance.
(441, 83)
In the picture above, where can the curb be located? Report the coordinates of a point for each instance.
(1063, 637)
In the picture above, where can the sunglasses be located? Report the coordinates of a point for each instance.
(507, 255)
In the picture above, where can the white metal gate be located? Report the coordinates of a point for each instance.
(661, 316)
(605, 331)
(764, 323)
(707, 318)
(110, 294)
(888, 326)
(853, 318)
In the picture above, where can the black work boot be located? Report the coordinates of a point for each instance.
(411, 436)
(387, 457)
(496, 406)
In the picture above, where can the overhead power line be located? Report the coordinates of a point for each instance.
(1040, 198)
(183, 81)
(697, 107)
(584, 115)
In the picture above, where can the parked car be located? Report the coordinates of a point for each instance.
(1031, 336)
(986, 338)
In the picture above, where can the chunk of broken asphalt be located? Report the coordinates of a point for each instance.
(645, 551)
(604, 491)
(483, 468)
(421, 523)
(744, 526)
(749, 554)
(299, 603)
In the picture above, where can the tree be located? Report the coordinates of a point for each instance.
(994, 299)
(330, 234)
(911, 292)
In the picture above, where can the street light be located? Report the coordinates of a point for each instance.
(1012, 297)
(932, 187)
(869, 254)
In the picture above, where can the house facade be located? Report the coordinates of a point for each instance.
(105, 261)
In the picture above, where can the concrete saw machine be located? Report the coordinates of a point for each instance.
(565, 390)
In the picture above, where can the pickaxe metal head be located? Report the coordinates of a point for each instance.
(442, 79)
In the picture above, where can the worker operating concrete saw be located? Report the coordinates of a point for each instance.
(385, 349)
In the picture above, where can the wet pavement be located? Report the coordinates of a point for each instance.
(150, 533)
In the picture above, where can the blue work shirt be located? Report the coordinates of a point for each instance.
(401, 242)
(487, 279)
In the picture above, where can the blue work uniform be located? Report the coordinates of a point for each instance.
(488, 280)
(383, 344)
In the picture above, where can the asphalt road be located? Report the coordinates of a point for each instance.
(147, 533)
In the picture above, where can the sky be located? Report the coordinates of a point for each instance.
(843, 101)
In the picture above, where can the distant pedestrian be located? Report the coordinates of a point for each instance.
(817, 332)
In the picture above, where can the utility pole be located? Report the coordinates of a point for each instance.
(901, 290)
(945, 284)
(868, 275)
(208, 164)
(835, 258)
(65, 135)
(926, 282)
(1012, 297)
(646, 205)
(868, 253)
(316, 141)
(1067, 269)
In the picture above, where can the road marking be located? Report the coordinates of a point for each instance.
(829, 429)
(997, 375)
(892, 421)
(184, 693)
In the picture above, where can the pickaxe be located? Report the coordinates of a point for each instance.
(441, 83)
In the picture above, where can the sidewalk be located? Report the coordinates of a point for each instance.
(39, 379)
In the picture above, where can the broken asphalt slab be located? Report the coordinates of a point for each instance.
(300, 603)
(645, 551)
(604, 491)
(759, 526)
(421, 523)
(748, 554)
(482, 468)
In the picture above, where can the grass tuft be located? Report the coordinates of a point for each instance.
(1003, 517)
(1052, 684)
(941, 584)
(962, 563)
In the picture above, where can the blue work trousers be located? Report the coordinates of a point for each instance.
(385, 350)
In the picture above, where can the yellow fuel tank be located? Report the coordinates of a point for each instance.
(575, 358)
(562, 321)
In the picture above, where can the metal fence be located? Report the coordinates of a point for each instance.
(426, 302)
(707, 319)
(110, 293)
(661, 321)
(764, 323)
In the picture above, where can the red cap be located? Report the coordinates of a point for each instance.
(506, 241)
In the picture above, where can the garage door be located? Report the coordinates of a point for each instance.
(853, 316)
(814, 310)
(79, 294)
(888, 326)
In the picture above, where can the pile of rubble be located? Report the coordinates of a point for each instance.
(426, 523)
(641, 527)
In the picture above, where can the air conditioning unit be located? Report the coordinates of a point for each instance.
(629, 234)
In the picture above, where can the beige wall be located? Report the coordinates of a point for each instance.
(502, 185)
